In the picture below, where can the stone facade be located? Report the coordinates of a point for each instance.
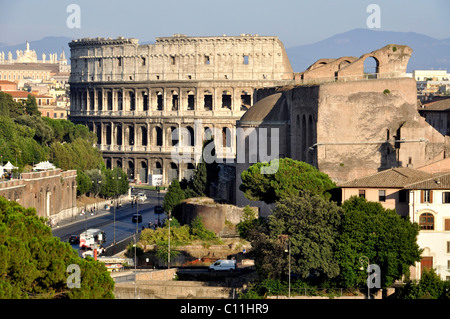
(52, 193)
(219, 218)
(137, 98)
(346, 128)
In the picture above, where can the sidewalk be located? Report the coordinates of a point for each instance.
(82, 217)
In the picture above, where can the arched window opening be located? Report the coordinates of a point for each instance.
(371, 66)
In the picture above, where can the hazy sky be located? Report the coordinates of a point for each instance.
(295, 22)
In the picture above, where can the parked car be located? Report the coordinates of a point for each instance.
(224, 265)
(141, 197)
(74, 239)
(159, 209)
(136, 218)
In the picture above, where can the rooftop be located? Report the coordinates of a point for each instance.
(439, 105)
(397, 177)
(272, 108)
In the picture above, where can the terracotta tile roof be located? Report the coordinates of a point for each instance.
(440, 105)
(51, 67)
(24, 94)
(7, 82)
(392, 178)
(437, 181)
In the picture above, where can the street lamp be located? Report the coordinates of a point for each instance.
(363, 259)
(135, 246)
(285, 238)
(168, 251)
(115, 204)
(289, 261)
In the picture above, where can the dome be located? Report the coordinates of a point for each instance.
(271, 109)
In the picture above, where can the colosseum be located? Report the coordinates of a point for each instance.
(137, 98)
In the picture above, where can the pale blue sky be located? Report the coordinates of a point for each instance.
(295, 22)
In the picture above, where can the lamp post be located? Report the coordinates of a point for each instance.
(363, 259)
(168, 251)
(289, 265)
(285, 238)
(115, 200)
(135, 246)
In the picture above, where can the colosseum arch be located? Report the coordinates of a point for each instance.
(143, 171)
(207, 100)
(371, 67)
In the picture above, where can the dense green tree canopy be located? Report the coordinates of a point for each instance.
(27, 139)
(289, 178)
(310, 224)
(368, 229)
(329, 240)
(33, 263)
(173, 197)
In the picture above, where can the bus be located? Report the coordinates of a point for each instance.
(92, 237)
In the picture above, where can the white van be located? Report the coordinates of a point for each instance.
(225, 265)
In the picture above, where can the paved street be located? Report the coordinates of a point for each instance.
(117, 223)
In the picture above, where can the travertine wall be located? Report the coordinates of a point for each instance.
(52, 193)
(362, 139)
(133, 96)
(349, 128)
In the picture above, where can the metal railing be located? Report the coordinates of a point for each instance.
(350, 78)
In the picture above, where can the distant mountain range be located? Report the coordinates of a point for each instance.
(428, 53)
(46, 45)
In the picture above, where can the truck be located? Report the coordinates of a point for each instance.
(223, 265)
(92, 238)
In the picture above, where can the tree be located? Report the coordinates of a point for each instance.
(173, 197)
(310, 224)
(430, 286)
(84, 183)
(33, 263)
(79, 155)
(198, 230)
(290, 177)
(199, 181)
(8, 107)
(388, 240)
(247, 223)
(31, 106)
(114, 182)
(43, 133)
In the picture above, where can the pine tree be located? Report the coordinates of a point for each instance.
(199, 182)
(173, 197)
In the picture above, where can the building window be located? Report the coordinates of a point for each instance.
(143, 61)
(447, 224)
(426, 196)
(362, 193)
(403, 196)
(446, 198)
(381, 195)
(426, 221)
(207, 60)
(246, 59)
(448, 247)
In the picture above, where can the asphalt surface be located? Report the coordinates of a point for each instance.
(117, 226)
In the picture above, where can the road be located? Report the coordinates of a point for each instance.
(122, 228)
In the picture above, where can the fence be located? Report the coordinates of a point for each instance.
(119, 246)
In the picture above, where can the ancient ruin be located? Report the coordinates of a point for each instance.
(137, 97)
(346, 123)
